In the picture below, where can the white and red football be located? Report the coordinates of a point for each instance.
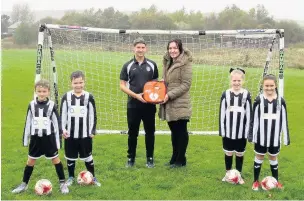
(43, 187)
(232, 176)
(85, 178)
(269, 183)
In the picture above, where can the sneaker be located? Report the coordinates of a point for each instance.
(70, 181)
(280, 186)
(95, 182)
(130, 162)
(22, 187)
(64, 188)
(241, 181)
(150, 163)
(255, 186)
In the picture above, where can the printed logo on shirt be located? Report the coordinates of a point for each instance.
(269, 116)
(235, 108)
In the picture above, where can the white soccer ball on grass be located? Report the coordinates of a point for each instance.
(43, 187)
(85, 178)
(233, 176)
(269, 183)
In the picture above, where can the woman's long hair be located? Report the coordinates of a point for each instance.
(179, 45)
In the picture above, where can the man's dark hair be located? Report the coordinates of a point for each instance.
(139, 40)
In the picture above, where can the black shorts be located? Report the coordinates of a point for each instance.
(81, 147)
(45, 145)
(237, 145)
(273, 151)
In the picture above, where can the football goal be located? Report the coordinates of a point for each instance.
(100, 53)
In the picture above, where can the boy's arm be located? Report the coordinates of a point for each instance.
(57, 126)
(285, 123)
(92, 116)
(63, 113)
(27, 127)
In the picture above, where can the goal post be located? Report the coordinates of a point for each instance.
(100, 53)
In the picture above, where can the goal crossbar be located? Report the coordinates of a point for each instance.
(168, 32)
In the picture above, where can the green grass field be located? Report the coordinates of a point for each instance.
(201, 179)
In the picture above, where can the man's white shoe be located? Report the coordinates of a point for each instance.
(64, 188)
(22, 187)
(224, 179)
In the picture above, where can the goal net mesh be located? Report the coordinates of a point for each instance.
(101, 57)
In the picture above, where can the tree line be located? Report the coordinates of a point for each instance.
(230, 17)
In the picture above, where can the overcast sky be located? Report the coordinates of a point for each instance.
(279, 9)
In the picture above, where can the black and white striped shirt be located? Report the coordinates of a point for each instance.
(235, 114)
(42, 119)
(78, 114)
(268, 123)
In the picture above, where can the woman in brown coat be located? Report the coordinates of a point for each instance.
(176, 109)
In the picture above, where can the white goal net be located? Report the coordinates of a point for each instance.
(101, 53)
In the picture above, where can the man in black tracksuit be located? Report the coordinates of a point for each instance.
(134, 74)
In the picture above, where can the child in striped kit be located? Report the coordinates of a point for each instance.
(268, 123)
(234, 120)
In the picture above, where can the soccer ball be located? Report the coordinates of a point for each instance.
(233, 176)
(85, 178)
(43, 187)
(269, 183)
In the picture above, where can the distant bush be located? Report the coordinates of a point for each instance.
(297, 45)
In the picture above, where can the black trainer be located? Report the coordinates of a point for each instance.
(150, 163)
(130, 162)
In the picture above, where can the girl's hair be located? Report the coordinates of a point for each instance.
(43, 83)
(77, 74)
(178, 43)
(238, 71)
(270, 77)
